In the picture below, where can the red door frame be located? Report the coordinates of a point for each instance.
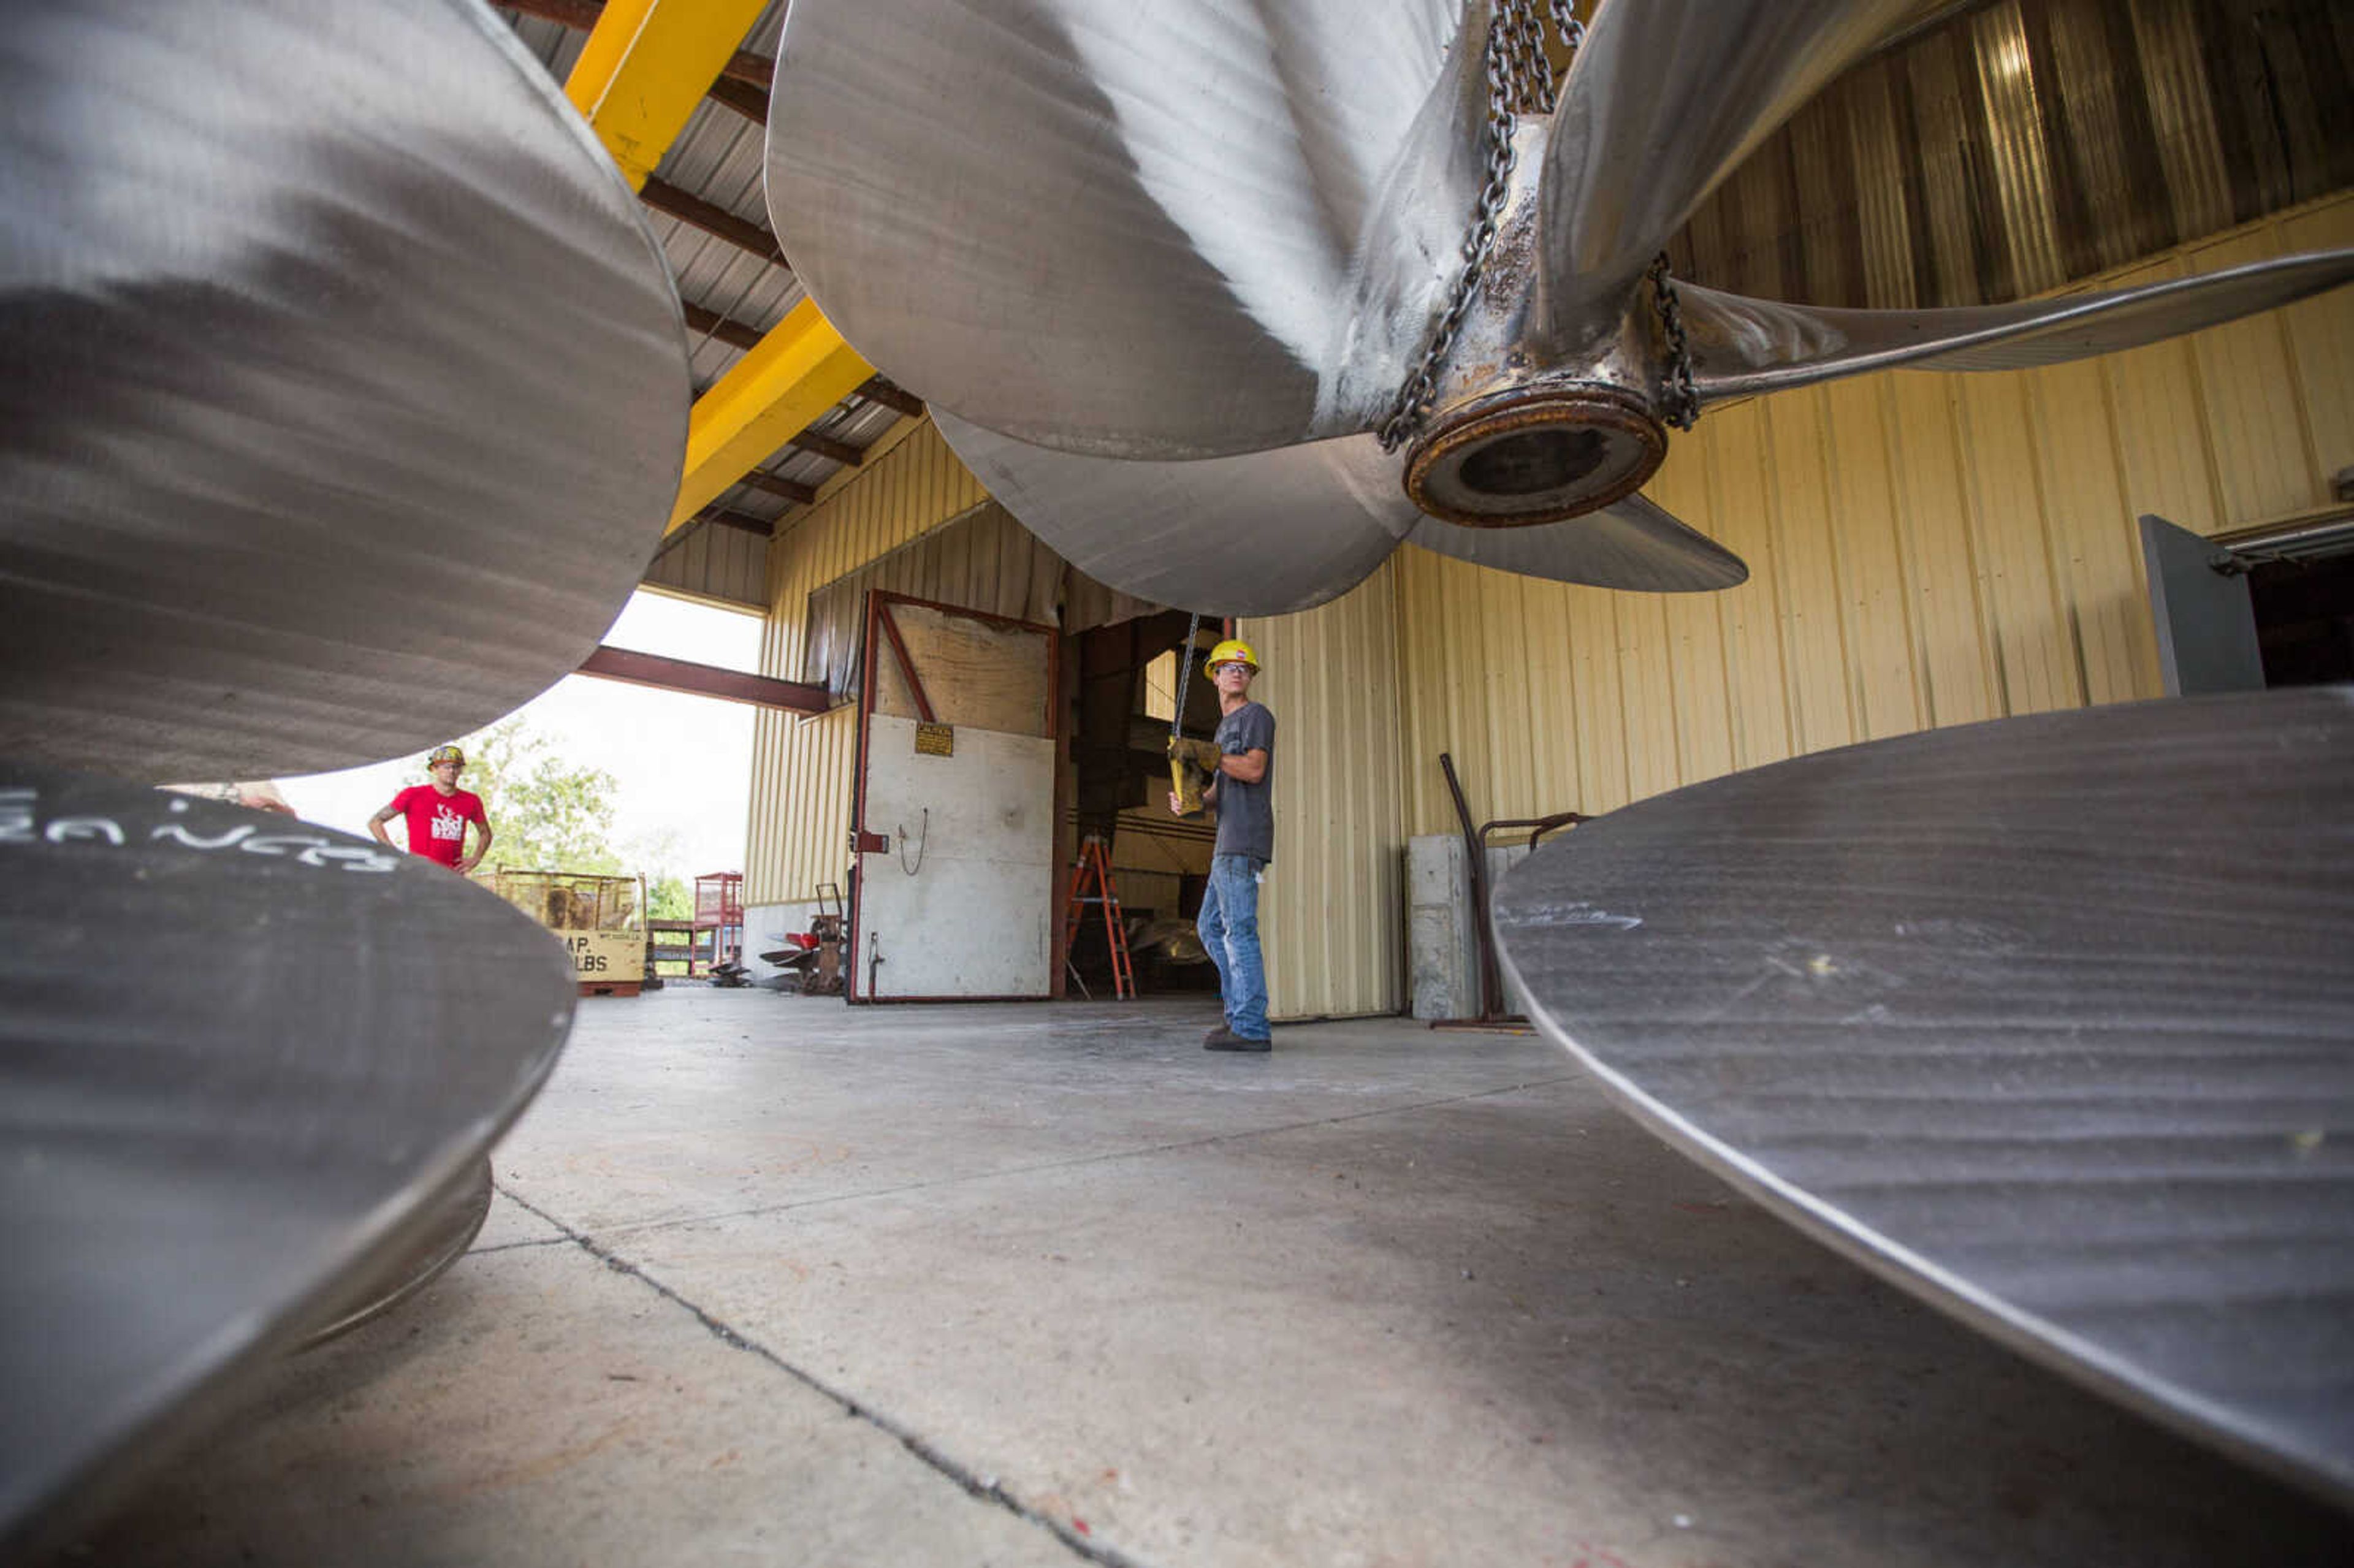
(878, 619)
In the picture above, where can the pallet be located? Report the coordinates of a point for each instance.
(609, 988)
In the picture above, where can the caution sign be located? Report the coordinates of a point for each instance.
(936, 740)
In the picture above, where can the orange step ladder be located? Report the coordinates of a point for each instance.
(1094, 870)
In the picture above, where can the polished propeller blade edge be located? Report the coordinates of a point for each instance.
(1664, 100)
(1258, 533)
(1741, 346)
(1151, 231)
(1633, 544)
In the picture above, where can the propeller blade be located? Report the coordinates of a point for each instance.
(348, 388)
(1741, 346)
(1260, 533)
(2042, 1020)
(1269, 533)
(1169, 231)
(1631, 544)
(1664, 99)
(248, 1072)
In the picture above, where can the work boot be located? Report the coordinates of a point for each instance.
(1225, 1039)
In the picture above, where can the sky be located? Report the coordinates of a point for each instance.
(683, 764)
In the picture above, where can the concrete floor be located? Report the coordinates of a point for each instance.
(774, 1280)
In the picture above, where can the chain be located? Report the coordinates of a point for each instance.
(1504, 89)
(1519, 82)
(1565, 22)
(1185, 675)
(1531, 70)
(1413, 397)
(1680, 398)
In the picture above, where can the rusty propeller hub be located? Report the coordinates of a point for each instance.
(1534, 454)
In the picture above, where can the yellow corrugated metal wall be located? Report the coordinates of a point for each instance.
(802, 766)
(1924, 550)
(800, 805)
(716, 565)
(1331, 907)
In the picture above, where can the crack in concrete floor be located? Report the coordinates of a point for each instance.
(983, 1488)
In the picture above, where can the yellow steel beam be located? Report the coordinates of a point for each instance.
(799, 371)
(646, 65)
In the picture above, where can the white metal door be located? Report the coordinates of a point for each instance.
(956, 831)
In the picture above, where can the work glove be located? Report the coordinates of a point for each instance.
(1193, 764)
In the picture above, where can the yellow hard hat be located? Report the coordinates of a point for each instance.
(442, 754)
(1230, 649)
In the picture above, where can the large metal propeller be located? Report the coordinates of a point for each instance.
(1112, 243)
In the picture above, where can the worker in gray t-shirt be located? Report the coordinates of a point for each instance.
(1243, 793)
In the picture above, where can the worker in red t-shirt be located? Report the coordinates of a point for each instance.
(438, 814)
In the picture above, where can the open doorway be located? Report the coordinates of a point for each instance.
(1123, 695)
(2254, 608)
(2304, 608)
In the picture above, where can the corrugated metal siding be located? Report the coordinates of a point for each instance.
(983, 560)
(897, 495)
(1332, 910)
(799, 834)
(1924, 550)
(2017, 144)
(802, 769)
(713, 562)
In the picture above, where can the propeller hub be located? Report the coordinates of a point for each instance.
(1534, 454)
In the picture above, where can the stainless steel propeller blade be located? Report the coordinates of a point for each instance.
(348, 387)
(1160, 232)
(1664, 100)
(1261, 533)
(1632, 543)
(2050, 1021)
(1269, 533)
(1741, 346)
(221, 1131)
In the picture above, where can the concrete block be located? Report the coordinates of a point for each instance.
(1442, 966)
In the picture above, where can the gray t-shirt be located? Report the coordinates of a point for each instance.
(1246, 812)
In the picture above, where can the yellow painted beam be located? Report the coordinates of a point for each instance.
(646, 65)
(798, 371)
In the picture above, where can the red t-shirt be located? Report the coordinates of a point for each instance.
(437, 823)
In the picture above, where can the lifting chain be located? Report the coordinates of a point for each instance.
(1519, 82)
(1186, 673)
(1413, 397)
(1536, 89)
(1679, 399)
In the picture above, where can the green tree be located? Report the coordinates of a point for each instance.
(546, 813)
(669, 898)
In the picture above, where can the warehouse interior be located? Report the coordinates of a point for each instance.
(976, 1255)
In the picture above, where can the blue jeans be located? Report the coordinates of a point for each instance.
(1229, 928)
